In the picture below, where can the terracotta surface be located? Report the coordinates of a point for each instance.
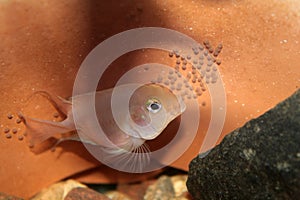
(44, 42)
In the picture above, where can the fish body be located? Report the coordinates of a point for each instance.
(151, 108)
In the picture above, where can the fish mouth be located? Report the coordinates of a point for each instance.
(156, 131)
(153, 136)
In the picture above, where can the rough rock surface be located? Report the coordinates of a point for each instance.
(86, 194)
(162, 189)
(115, 195)
(58, 191)
(8, 197)
(168, 188)
(261, 160)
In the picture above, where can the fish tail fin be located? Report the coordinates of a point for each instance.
(62, 105)
(40, 130)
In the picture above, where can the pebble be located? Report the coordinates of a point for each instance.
(168, 188)
(8, 197)
(161, 190)
(86, 194)
(115, 195)
(179, 185)
(60, 191)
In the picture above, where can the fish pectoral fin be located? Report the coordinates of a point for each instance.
(132, 158)
(40, 130)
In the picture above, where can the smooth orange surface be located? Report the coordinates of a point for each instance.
(44, 42)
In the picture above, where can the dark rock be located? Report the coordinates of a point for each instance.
(261, 160)
(85, 194)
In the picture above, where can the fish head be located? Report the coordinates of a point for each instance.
(152, 107)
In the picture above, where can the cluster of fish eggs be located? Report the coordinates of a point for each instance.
(10, 132)
(192, 73)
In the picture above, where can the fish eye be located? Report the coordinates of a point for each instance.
(153, 105)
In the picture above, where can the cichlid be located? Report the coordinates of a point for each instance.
(151, 108)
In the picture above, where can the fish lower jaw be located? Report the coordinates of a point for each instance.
(153, 136)
(136, 142)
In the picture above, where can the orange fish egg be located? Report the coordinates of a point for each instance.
(191, 73)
